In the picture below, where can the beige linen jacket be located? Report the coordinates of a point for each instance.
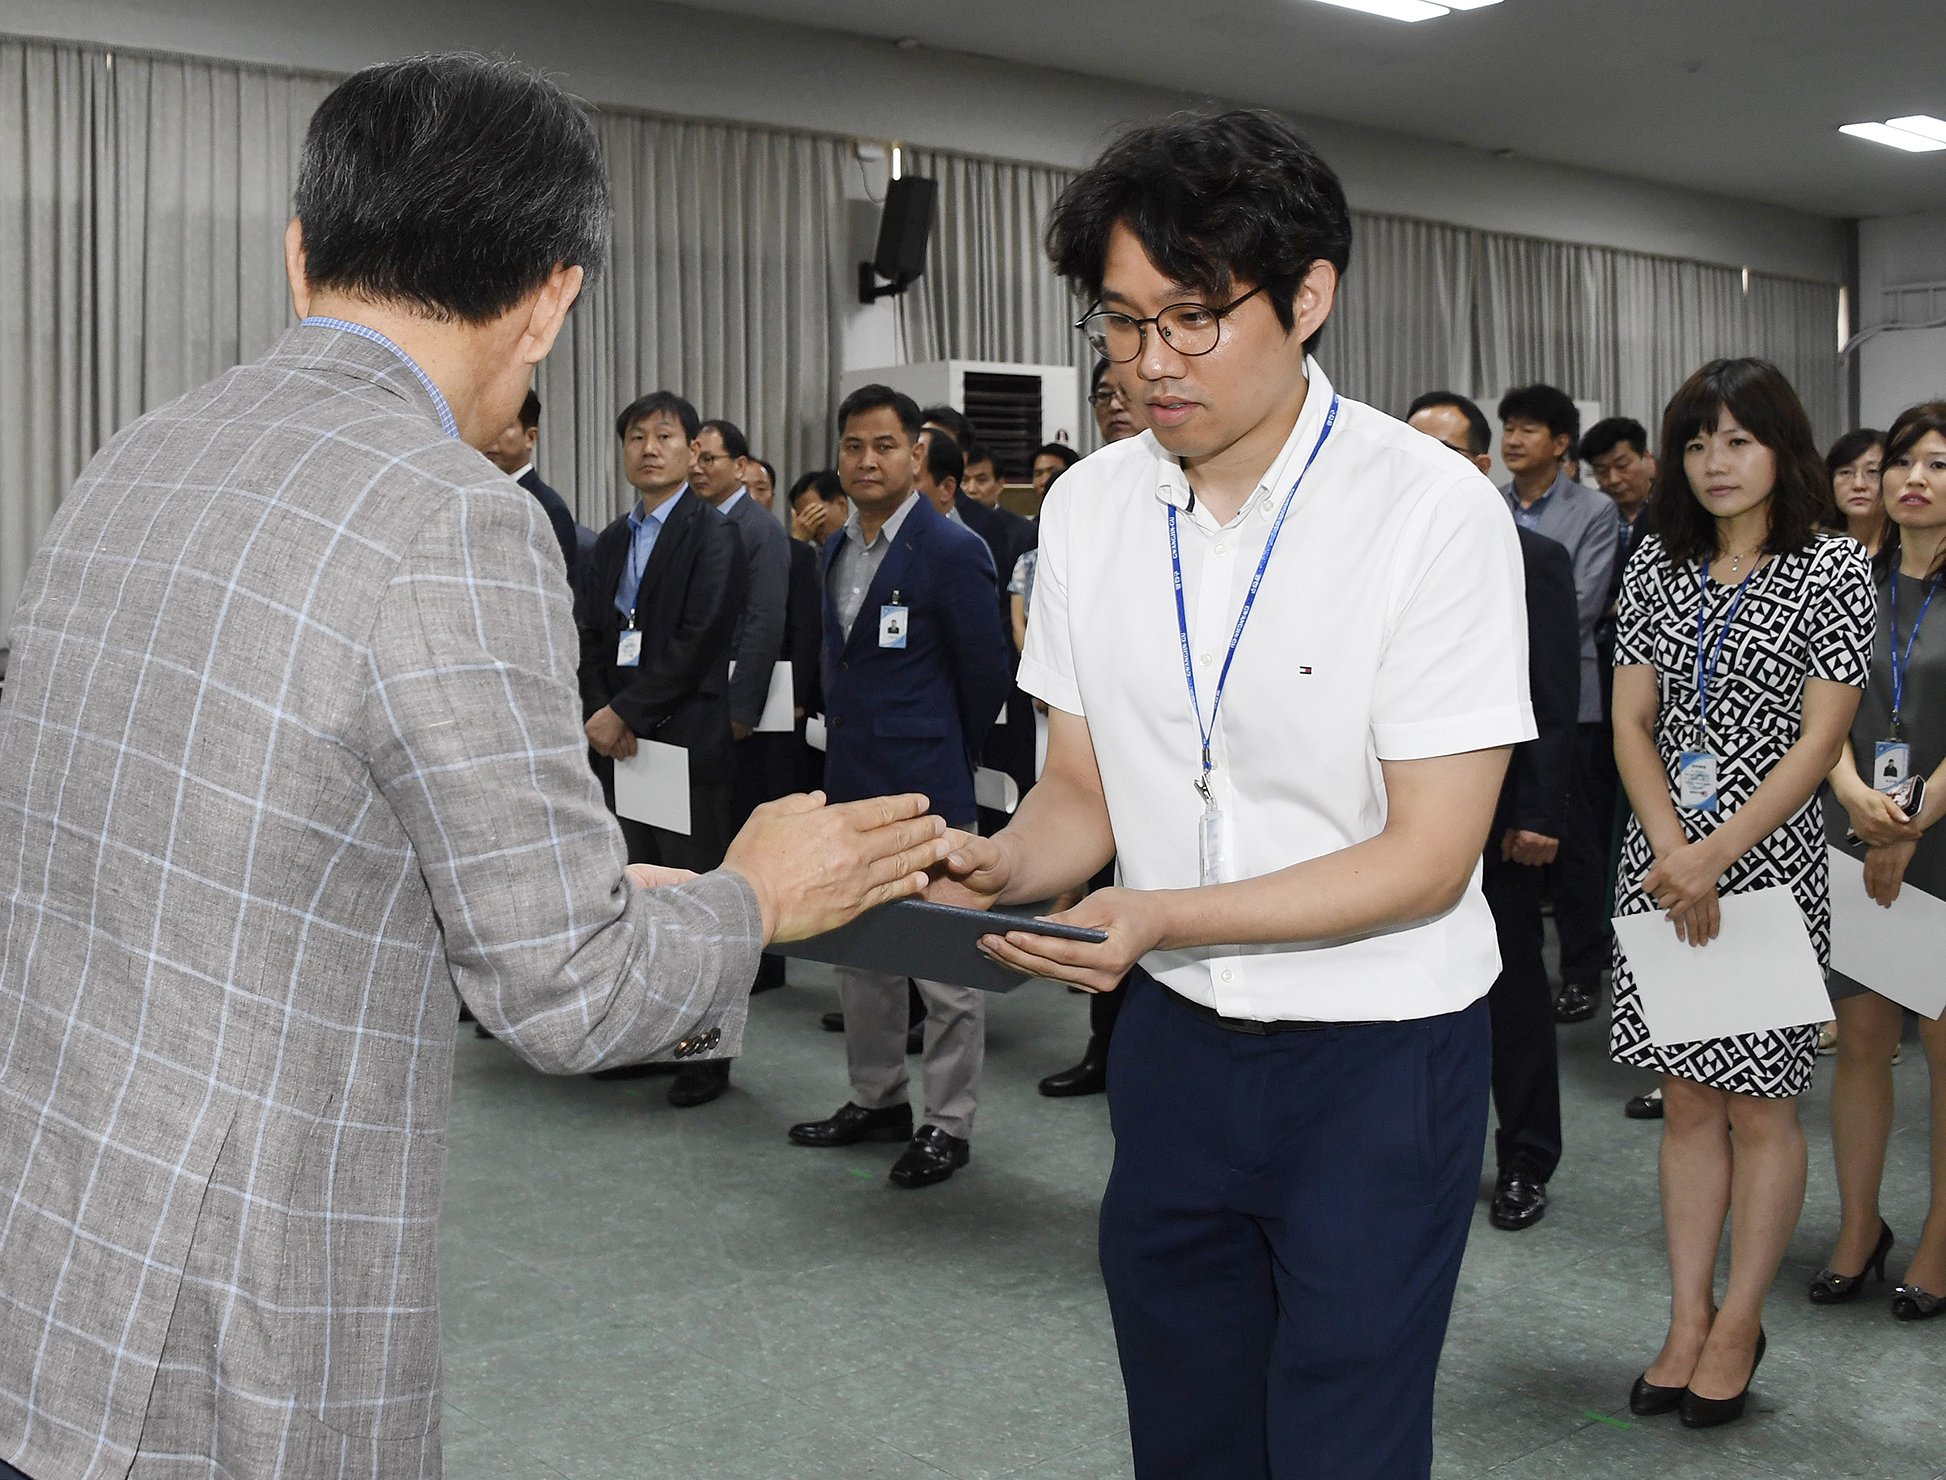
(290, 749)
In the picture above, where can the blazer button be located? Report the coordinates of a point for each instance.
(844, 665)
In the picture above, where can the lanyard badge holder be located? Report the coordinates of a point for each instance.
(1210, 829)
(1892, 757)
(1696, 770)
(628, 644)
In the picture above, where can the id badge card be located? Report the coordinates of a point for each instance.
(1209, 846)
(1891, 764)
(1696, 781)
(891, 626)
(628, 649)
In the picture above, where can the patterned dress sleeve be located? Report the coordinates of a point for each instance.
(1844, 616)
(1633, 644)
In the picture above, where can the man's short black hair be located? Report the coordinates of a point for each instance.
(1094, 379)
(872, 397)
(530, 412)
(1611, 432)
(1479, 434)
(769, 472)
(1241, 196)
(1069, 457)
(956, 424)
(667, 402)
(944, 460)
(1551, 407)
(451, 183)
(734, 442)
(979, 452)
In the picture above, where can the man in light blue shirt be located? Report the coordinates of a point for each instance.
(1539, 425)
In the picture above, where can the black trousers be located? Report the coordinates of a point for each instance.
(1281, 1236)
(1580, 872)
(1526, 1071)
(699, 850)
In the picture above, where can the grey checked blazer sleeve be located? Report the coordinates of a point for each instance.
(471, 730)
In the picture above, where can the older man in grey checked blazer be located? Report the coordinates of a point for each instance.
(290, 751)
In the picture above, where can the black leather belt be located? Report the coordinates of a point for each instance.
(1256, 1028)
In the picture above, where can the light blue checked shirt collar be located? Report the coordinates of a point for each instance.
(446, 422)
(643, 531)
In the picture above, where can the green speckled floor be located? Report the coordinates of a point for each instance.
(634, 1292)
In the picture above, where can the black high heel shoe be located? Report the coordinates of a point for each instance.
(1707, 1413)
(1910, 1303)
(1832, 1288)
(1647, 1400)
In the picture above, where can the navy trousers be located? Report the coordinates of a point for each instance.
(1281, 1235)
(1526, 1067)
(8, 1472)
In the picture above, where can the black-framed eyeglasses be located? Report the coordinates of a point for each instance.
(1187, 328)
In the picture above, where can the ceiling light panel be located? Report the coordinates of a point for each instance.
(1897, 138)
(1922, 124)
(1394, 10)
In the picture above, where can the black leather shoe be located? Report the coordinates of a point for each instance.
(1832, 1288)
(854, 1123)
(1576, 1002)
(832, 1022)
(698, 1084)
(1089, 1077)
(933, 1156)
(1707, 1413)
(1646, 1400)
(1644, 1107)
(1519, 1199)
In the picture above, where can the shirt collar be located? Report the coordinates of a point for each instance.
(1513, 495)
(446, 422)
(636, 518)
(528, 468)
(1172, 484)
(732, 501)
(889, 530)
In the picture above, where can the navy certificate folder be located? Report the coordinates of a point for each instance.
(940, 942)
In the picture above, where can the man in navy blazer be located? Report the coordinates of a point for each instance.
(915, 669)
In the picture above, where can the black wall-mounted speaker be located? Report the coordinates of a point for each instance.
(904, 226)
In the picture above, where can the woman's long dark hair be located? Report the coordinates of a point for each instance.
(1853, 445)
(1913, 423)
(1756, 393)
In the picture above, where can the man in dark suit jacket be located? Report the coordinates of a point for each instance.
(513, 454)
(1010, 747)
(915, 668)
(1526, 836)
(658, 609)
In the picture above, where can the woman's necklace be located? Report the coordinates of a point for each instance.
(1736, 561)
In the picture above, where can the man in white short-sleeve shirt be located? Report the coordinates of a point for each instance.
(1299, 1079)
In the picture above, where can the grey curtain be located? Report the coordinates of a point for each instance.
(1403, 323)
(724, 284)
(143, 201)
(988, 291)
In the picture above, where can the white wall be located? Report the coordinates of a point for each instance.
(1901, 279)
(646, 54)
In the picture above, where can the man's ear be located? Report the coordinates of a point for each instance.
(1316, 296)
(294, 268)
(549, 312)
(1560, 444)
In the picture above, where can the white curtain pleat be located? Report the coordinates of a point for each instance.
(1403, 320)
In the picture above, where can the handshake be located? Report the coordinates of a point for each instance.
(815, 867)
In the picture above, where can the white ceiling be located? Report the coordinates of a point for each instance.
(1739, 97)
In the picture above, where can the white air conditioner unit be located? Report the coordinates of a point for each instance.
(1014, 408)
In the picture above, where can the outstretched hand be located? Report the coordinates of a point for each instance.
(1132, 918)
(815, 867)
(973, 875)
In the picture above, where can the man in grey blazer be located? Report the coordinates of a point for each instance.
(290, 754)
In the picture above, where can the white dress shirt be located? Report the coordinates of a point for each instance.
(1390, 625)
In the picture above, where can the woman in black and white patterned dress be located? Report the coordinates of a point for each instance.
(1786, 620)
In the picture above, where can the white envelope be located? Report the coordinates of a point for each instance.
(780, 704)
(652, 786)
(995, 790)
(1899, 953)
(814, 731)
(1760, 973)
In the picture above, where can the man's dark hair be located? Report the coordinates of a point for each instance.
(530, 412)
(1906, 432)
(955, 422)
(1094, 378)
(1479, 435)
(979, 452)
(734, 442)
(1853, 445)
(769, 472)
(1611, 432)
(667, 402)
(1552, 408)
(1241, 196)
(1756, 393)
(1069, 457)
(944, 460)
(872, 397)
(451, 183)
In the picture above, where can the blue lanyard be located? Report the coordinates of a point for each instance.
(1207, 732)
(1899, 665)
(634, 543)
(1704, 675)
